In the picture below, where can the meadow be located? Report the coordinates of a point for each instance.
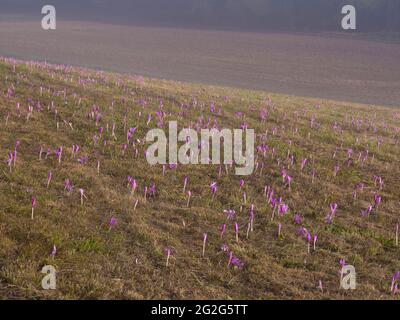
(77, 193)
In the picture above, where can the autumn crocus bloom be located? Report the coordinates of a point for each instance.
(230, 214)
(315, 241)
(214, 188)
(308, 239)
(68, 185)
(377, 199)
(224, 248)
(366, 213)
(223, 229)
(283, 174)
(333, 207)
(234, 261)
(145, 193)
(33, 206)
(297, 218)
(59, 154)
(10, 160)
(283, 209)
(205, 236)
(53, 252)
(133, 184)
(237, 231)
(331, 215)
(185, 181)
(112, 222)
(342, 263)
(153, 190)
(251, 223)
(320, 285)
(49, 177)
(289, 182)
(358, 187)
(336, 170)
(188, 199)
(75, 150)
(395, 283)
(303, 163)
(82, 193)
(307, 236)
(17, 144)
(168, 252)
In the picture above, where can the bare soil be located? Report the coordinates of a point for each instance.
(307, 65)
(323, 66)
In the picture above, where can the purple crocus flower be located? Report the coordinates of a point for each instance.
(333, 207)
(234, 261)
(145, 193)
(237, 231)
(223, 229)
(113, 221)
(230, 214)
(315, 238)
(214, 188)
(59, 154)
(75, 150)
(53, 252)
(331, 215)
(133, 184)
(297, 218)
(342, 263)
(289, 182)
(33, 202)
(205, 236)
(189, 197)
(168, 252)
(395, 283)
(377, 199)
(68, 186)
(10, 160)
(224, 248)
(303, 163)
(83, 160)
(49, 177)
(336, 170)
(185, 181)
(303, 232)
(368, 211)
(283, 209)
(82, 193)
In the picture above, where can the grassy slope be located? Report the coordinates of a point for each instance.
(95, 262)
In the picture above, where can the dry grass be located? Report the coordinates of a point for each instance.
(128, 261)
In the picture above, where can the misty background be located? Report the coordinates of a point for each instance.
(301, 15)
(295, 47)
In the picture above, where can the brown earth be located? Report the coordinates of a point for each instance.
(323, 66)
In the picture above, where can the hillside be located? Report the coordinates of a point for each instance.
(113, 243)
